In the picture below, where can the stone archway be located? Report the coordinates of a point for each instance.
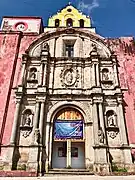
(68, 139)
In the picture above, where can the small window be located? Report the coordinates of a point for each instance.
(57, 22)
(74, 152)
(69, 50)
(69, 10)
(81, 23)
(62, 151)
(69, 22)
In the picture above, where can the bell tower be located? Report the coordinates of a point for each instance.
(69, 17)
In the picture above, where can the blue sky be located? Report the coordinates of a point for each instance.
(112, 18)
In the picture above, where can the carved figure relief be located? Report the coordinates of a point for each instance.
(106, 81)
(33, 74)
(28, 120)
(111, 120)
(32, 77)
(26, 123)
(46, 47)
(69, 76)
(112, 128)
(6, 25)
(105, 74)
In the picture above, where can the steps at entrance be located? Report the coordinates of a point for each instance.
(66, 172)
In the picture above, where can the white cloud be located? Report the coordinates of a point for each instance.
(88, 7)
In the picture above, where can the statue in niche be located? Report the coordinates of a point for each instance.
(111, 120)
(94, 47)
(69, 77)
(101, 136)
(46, 46)
(32, 75)
(28, 120)
(105, 75)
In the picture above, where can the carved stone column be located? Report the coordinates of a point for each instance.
(115, 70)
(23, 74)
(93, 75)
(97, 75)
(36, 121)
(95, 66)
(95, 123)
(44, 74)
(47, 146)
(15, 123)
(41, 121)
(68, 153)
(34, 149)
(102, 123)
(44, 60)
(41, 75)
(89, 151)
(121, 122)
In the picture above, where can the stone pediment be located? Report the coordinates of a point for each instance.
(88, 38)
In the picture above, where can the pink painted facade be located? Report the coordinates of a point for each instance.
(13, 44)
(124, 48)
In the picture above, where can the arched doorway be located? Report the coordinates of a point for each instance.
(68, 140)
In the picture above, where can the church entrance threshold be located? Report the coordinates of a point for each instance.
(68, 140)
(68, 155)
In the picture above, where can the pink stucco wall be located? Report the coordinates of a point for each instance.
(125, 50)
(12, 46)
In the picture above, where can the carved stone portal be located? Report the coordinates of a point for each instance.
(69, 76)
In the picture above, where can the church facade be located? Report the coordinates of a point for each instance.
(67, 95)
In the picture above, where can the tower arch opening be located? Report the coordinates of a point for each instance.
(69, 22)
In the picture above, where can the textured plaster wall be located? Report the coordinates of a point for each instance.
(9, 45)
(12, 46)
(125, 50)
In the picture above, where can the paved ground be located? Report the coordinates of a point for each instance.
(72, 178)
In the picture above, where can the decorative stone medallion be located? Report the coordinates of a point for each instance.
(69, 76)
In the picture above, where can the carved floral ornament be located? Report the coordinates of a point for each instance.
(69, 76)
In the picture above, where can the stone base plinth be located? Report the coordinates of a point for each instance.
(102, 168)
